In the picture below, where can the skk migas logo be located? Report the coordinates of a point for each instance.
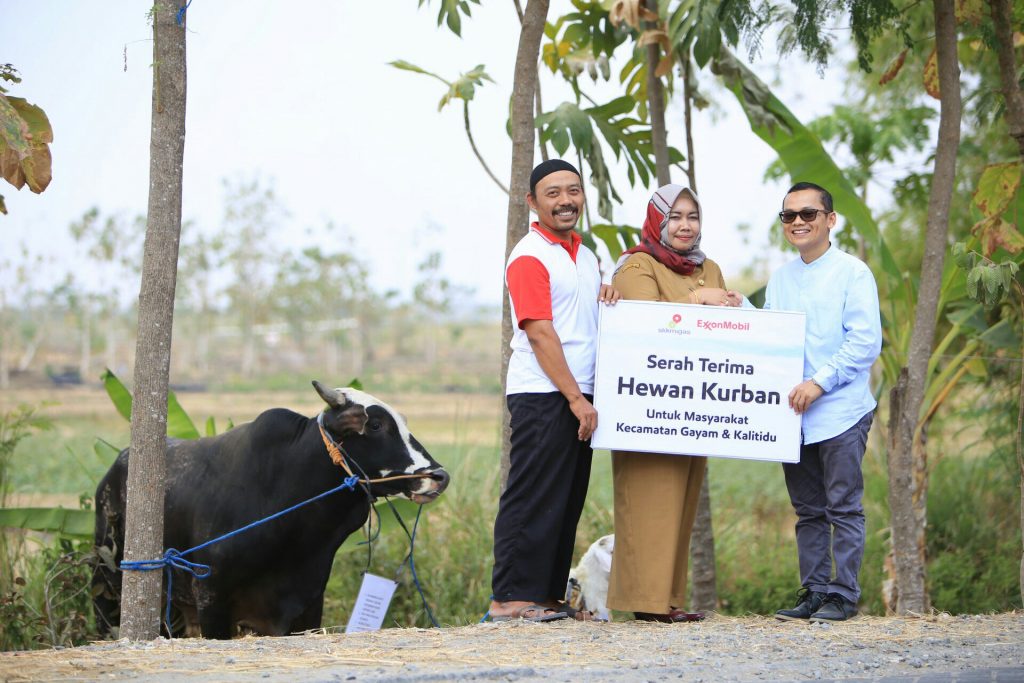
(675, 326)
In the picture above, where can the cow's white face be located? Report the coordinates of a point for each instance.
(418, 460)
(379, 441)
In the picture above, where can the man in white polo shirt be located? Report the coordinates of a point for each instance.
(554, 285)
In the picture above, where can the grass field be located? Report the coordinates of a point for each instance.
(753, 521)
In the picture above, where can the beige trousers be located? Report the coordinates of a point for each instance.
(655, 504)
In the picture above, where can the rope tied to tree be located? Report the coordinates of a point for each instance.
(180, 16)
(174, 559)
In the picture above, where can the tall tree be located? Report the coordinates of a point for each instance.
(908, 474)
(140, 601)
(524, 86)
(704, 583)
(1002, 18)
(656, 93)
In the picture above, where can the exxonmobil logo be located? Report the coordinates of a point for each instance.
(723, 325)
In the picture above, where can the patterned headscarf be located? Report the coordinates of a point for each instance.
(654, 236)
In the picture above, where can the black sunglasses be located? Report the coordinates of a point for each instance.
(806, 214)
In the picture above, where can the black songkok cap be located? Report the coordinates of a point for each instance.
(546, 168)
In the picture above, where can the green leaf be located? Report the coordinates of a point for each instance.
(800, 150)
(354, 383)
(709, 34)
(211, 427)
(614, 236)
(118, 393)
(408, 66)
(35, 117)
(1003, 335)
(25, 133)
(997, 187)
(758, 297)
(565, 121)
(179, 424)
(973, 279)
(105, 451)
(77, 524)
(617, 107)
(450, 13)
(464, 87)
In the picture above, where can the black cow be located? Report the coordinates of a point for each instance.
(270, 579)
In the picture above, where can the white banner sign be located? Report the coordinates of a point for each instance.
(698, 380)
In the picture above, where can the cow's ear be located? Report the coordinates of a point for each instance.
(350, 416)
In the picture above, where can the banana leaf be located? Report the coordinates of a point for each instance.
(74, 524)
(800, 150)
(179, 424)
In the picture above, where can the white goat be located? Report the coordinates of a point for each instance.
(588, 581)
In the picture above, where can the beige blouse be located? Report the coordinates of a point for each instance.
(643, 278)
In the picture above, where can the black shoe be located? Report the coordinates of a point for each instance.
(807, 603)
(835, 608)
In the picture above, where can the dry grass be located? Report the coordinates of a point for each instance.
(565, 645)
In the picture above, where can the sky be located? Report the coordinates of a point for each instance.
(300, 96)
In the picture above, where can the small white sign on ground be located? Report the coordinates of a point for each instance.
(698, 380)
(371, 604)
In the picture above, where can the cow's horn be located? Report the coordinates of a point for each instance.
(332, 397)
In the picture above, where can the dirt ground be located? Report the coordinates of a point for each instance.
(938, 648)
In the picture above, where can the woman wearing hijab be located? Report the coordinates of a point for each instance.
(656, 495)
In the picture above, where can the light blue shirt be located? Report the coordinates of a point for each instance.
(838, 294)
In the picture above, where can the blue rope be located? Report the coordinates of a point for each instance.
(412, 566)
(173, 558)
(180, 18)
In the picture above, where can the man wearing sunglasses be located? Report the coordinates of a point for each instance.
(838, 295)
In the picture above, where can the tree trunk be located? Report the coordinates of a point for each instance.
(691, 169)
(141, 598)
(656, 107)
(524, 86)
(704, 588)
(1020, 438)
(538, 105)
(1002, 18)
(908, 474)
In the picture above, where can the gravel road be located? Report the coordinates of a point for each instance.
(931, 649)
